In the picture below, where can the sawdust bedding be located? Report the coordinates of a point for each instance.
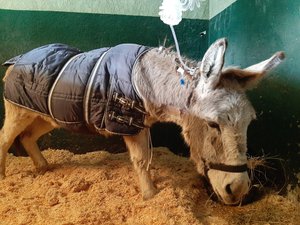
(102, 188)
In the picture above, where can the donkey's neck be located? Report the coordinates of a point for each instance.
(158, 82)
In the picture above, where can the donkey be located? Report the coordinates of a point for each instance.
(211, 107)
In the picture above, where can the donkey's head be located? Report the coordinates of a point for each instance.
(220, 101)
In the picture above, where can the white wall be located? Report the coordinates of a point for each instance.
(121, 7)
(217, 6)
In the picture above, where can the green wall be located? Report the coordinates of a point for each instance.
(255, 30)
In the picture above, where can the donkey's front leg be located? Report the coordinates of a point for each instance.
(139, 149)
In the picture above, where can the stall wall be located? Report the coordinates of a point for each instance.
(255, 30)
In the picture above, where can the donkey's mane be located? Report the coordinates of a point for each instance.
(169, 57)
(169, 53)
(157, 77)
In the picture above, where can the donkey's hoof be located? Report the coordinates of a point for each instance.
(149, 193)
(42, 169)
(2, 176)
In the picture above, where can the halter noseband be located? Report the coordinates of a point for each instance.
(223, 167)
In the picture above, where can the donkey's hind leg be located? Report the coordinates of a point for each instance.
(138, 147)
(16, 121)
(29, 137)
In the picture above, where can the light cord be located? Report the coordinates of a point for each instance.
(150, 149)
(185, 67)
(171, 13)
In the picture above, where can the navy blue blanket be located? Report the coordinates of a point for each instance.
(77, 88)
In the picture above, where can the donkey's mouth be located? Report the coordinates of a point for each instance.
(220, 198)
(213, 194)
(216, 197)
(253, 195)
(227, 200)
(231, 200)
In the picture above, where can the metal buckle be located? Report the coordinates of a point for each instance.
(124, 120)
(128, 103)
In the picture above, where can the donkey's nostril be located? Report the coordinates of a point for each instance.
(228, 189)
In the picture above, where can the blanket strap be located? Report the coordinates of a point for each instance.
(127, 104)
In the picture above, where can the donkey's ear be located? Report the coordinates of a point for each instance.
(249, 77)
(212, 62)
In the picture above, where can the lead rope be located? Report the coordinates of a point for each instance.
(150, 149)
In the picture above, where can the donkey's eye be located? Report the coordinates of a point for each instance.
(214, 125)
